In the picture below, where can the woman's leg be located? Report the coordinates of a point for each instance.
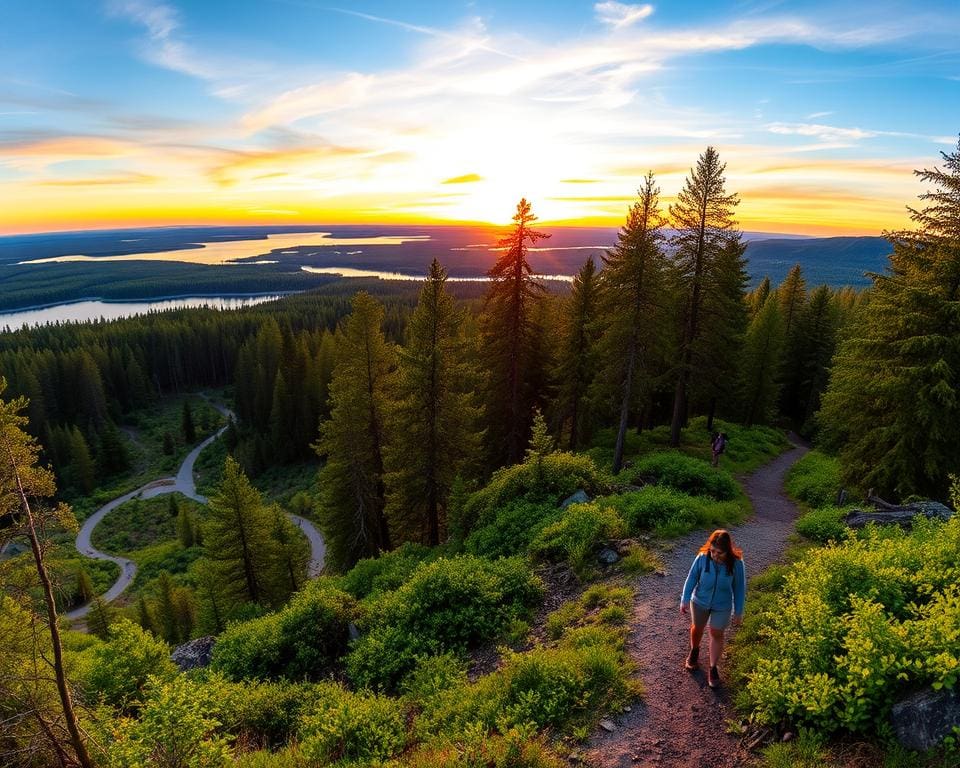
(716, 645)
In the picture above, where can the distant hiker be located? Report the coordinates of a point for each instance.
(718, 445)
(715, 588)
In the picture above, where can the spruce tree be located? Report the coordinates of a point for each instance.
(292, 555)
(575, 366)
(351, 505)
(237, 537)
(98, 619)
(83, 471)
(283, 418)
(762, 358)
(185, 527)
(703, 222)
(893, 402)
(509, 340)
(758, 297)
(435, 420)
(632, 288)
(792, 294)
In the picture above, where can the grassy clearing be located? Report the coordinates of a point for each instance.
(141, 523)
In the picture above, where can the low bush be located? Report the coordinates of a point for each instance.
(448, 605)
(576, 535)
(600, 604)
(513, 528)
(824, 524)
(539, 480)
(119, 668)
(857, 624)
(518, 748)
(299, 642)
(639, 560)
(686, 473)
(814, 479)
(653, 505)
(353, 729)
(374, 575)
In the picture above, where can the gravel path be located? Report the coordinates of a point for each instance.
(681, 722)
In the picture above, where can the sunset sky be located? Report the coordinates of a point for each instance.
(136, 112)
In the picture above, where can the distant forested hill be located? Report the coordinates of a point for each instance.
(465, 251)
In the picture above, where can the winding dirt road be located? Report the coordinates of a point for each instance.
(681, 722)
(185, 484)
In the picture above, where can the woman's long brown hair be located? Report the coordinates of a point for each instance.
(720, 539)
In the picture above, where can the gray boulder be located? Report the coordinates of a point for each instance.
(608, 556)
(901, 515)
(922, 720)
(580, 497)
(195, 654)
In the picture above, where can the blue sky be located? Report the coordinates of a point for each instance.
(139, 111)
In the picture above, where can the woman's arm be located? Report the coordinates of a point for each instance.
(692, 578)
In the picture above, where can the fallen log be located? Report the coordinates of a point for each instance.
(902, 515)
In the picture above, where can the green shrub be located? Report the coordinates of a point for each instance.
(653, 505)
(120, 667)
(513, 527)
(373, 575)
(824, 524)
(600, 603)
(519, 748)
(856, 625)
(176, 730)
(353, 728)
(299, 642)
(264, 713)
(686, 473)
(576, 535)
(537, 481)
(639, 560)
(448, 605)
(814, 480)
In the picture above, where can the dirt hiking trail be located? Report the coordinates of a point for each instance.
(681, 722)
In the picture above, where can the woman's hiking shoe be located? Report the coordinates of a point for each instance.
(693, 660)
(713, 678)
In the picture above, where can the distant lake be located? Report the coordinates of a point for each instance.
(84, 311)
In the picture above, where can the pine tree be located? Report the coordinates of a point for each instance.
(575, 367)
(83, 471)
(762, 358)
(352, 496)
(23, 486)
(282, 421)
(165, 610)
(509, 338)
(758, 297)
(213, 609)
(703, 220)
(187, 428)
(98, 620)
(292, 555)
(435, 420)
(144, 619)
(541, 443)
(112, 454)
(893, 402)
(792, 294)
(84, 592)
(237, 537)
(632, 288)
(185, 527)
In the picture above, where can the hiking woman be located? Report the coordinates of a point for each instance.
(714, 590)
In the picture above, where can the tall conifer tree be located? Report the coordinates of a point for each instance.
(435, 420)
(510, 340)
(352, 498)
(893, 402)
(575, 367)
(762, 360)
(632, 287)
(703, 220)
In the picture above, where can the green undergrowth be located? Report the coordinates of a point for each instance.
(747, 447)
(141, 523)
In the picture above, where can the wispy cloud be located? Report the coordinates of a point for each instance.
(620, 15)
(465, 179)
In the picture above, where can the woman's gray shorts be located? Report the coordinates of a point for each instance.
(718, 620)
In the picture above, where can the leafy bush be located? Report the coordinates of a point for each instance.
(176, 730)
(385, 573)
(301, 641)
(653, 505)
(823, 525)
(685, 473)
(814, 479)
(539, 480)
(512, 529)
(518, 748)
(577, 533)
(640, 560)
(120, 667)
(447, 605)
(353, 728)
(600, 603)
(857, 624)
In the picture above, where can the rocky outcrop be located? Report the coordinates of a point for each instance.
(922, 720)
(901, 515)
(195, 654)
